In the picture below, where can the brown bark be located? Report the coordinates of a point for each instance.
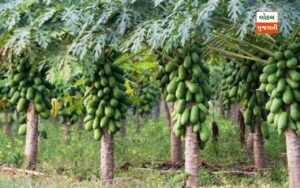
(175, 142)
(234, 112)
(8, 124)
(32, 134)
(258, 146)
(107, 158)
(242, 128)
(67, 132)
(293, 157)
(191, 157)
(249, 143)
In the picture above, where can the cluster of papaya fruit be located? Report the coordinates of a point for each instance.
(185, 82)
(105, 99)
(280, 79)
(148, 98)
(28, 84)
(230, 72)
(240, 83)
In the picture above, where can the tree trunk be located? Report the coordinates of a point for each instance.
(293, 157)
(258, 146)
(107, 158)
(191, 157)
(242, 128)
(8, 124)
(32, 134)
(234, 112)
(175, 142)
(67, 131)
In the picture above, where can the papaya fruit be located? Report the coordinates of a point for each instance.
(97, 134)
(107, 69)
(22, 129)
(180, 91)
(185, 116)
(276, 105)
(295, 111)
(171, 66)
(194, 115)
(21, 106)
(187, 63)
(204, 133)
(288, 97)
(283, 121)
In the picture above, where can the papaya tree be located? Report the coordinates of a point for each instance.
(186, 82)
(106, 104)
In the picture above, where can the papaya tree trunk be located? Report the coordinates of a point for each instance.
(8, 124)
(242, 128)
(234, 112)
(67, 131)
(191, 157)
(32, 134)
(258, 146)
(293, 157)
(107, 158)
(175, 142)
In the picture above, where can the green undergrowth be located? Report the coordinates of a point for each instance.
(77, 164)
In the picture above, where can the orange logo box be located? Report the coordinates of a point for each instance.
(267, 23)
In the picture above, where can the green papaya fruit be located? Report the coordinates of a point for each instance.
(288, 97)
(194, 115)
(185, 116)
(21, 106)
(292, 63)
(22, 129)
(283, 121)
(97, 134)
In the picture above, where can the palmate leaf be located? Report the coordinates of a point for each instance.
(204, 17)
(123, 22)
(11, 20)
(71, 18)
(184, 30)
(42, 38)
(235, 9)
(18, 42)
(44, 17)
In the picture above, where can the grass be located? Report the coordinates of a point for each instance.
(77, 164)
